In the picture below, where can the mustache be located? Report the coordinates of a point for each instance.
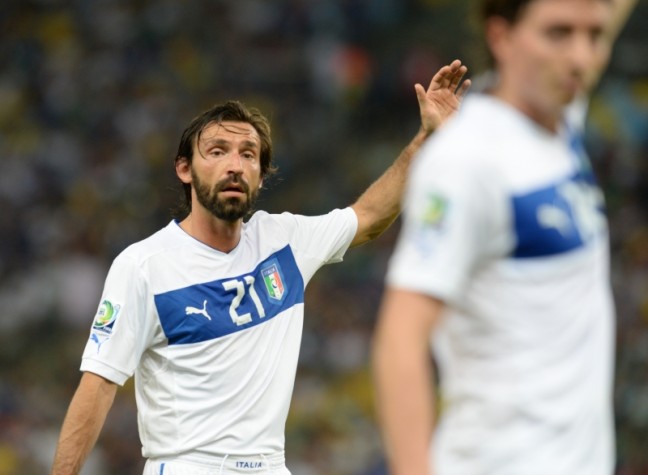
(234, 183)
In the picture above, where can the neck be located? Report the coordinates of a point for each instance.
(212, 231)
(543, 116)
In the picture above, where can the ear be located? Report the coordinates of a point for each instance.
(261, 184)
(183, 169)
(497, 34)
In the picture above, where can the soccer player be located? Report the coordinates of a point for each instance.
(502, 267)
(207, 312)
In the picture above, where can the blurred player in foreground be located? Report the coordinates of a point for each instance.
(207, 313)
(502, 265)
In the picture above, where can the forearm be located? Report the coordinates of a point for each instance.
(403, 376)
(83, 422)
(380, 204)
(405, 401)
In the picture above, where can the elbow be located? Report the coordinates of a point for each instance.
(371, 227)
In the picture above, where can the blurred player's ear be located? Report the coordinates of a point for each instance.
(497, 32)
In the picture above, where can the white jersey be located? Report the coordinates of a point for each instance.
(213, 338)
(504, 223)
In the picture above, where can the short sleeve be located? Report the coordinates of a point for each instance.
(326, 237)
(122, 326)
(317, 240)
(449, 217)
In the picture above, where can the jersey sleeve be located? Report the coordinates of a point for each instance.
(448, 219)
(120, 330)
(319, 240)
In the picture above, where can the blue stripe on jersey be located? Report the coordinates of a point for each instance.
(558, 218)
(214, 309)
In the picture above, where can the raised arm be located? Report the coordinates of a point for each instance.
(379, 205)
(622, 11)
(83, 422)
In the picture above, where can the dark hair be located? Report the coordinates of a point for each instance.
(510, 10)
(229, 111)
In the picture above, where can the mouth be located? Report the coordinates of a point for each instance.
(233, 189)
(574, 85)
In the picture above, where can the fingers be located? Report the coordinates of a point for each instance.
(420, 93)
(449, 77)
(457, 76)
(461, 92)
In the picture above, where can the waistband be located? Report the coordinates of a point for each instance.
(238, 463)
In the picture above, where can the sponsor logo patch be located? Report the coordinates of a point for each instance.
(106, 316)
(434, 211)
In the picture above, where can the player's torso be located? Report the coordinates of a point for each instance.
(528, 349)
(219, 374)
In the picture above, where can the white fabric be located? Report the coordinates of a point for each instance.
(503, 223)
(213, 338)
(273, 464)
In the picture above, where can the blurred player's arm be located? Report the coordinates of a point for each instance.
(379, 205)
(404, 378)
(83, 422)
(622, 11)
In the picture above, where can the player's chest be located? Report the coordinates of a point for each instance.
(556, 218)
(232, 301)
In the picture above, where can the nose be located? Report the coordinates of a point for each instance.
(583, 54)
(235, 163)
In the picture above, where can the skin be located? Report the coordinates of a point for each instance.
(228, 154)
(230, 151)
(554, 52)
(226, 168)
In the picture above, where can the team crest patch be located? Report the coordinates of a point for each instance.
(273, 280)
(106, 316)
(435, 211)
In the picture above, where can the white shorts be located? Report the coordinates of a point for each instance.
(273, 464)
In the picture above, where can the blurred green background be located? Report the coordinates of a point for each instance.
(94, 95)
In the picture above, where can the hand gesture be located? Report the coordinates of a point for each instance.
(443, 96)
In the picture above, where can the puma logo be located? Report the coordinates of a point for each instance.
(98, 341)
(198, 311)
(553, 217)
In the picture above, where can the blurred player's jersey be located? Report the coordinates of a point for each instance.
(213, 338)
(505, 223)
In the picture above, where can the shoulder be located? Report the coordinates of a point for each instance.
(465, 135)
(287, 220)
(456, 148)
(163, 240)
(481, 137)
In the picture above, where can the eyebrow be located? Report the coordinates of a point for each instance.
(221, 142)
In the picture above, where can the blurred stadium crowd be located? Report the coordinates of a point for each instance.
(94, 95)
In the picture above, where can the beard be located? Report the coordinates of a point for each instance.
(228, 209)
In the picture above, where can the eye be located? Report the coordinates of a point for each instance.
(558, 33)
(249, 156)
(216, 152)
(596, 35)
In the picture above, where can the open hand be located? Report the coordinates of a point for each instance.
(443, 96)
